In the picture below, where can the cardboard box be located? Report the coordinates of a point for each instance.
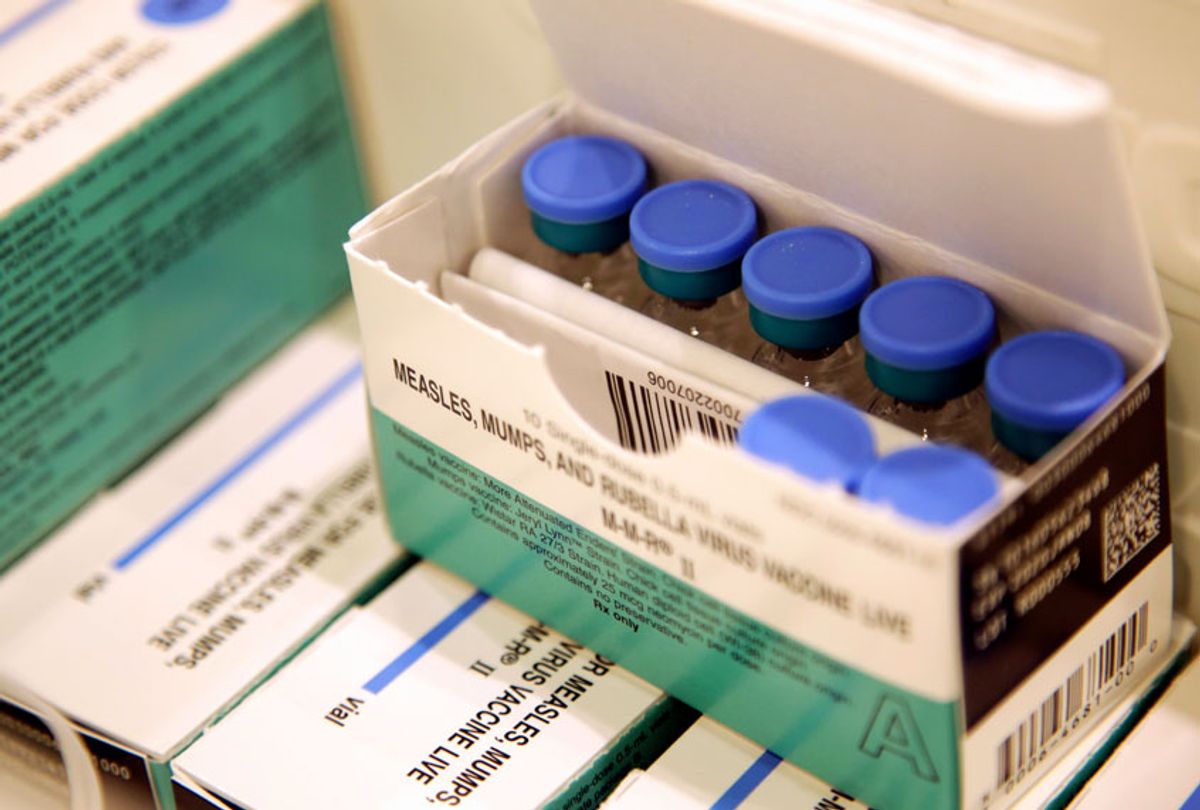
(778, 607)
(434, 693)
(712, 766)
(176, 180)
(1158, 764)
(167, 599)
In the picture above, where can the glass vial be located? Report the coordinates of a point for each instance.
(690, 237)
(580, 190)
(1043, 385)
(804, 287)
(926, 339)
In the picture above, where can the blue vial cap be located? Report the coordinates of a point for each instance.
(927, 323)
(583, 179)
(807, 273)
(819, 437)
(693, 226)
(805, 285)
(1052, 381)
(932, 483)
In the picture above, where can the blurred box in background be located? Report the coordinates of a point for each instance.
(167, 598)
(175, 179)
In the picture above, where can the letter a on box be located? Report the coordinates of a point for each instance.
(894, 729)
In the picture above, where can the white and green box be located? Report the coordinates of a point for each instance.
(434, 693)
(169, 597)
(174, 181)
(711, 766)
(901, 663)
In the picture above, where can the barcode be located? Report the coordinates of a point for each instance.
(651, 422)
(1131, 520)
(1058, 712)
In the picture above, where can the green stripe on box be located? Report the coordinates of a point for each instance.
(154, 276)
(885, 745)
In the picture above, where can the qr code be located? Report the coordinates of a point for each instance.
(1131, 520)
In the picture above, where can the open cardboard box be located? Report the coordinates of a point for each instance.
(910, 666)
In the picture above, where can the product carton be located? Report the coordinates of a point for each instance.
(712, 766)
(168, 598)
(176, 177)
(922, 656)
(434, 693)
(1158, 764)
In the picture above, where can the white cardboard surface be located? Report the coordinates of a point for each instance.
(1158, 765)
(259, 524)
(407, 743)
(995, 156)
(69, 88)
(708, 760)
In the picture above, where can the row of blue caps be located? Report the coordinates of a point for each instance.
(1042, 381)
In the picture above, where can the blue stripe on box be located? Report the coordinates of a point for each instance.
(313, 407)
(748, 782)
(29, 19)
(425, 643)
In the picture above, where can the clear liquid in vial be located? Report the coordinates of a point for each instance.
(613, 275)
(834, 370)
(963, 421)
(718, 321)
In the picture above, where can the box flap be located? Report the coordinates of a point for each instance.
(1003, 159)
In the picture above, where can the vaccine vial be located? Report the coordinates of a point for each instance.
(690, 237)
(818, 437)
(580, 190)
(933, 483)
(804, 287)
(1043, 385)
(926, 339)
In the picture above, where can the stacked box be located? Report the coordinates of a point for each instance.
(1158, 764)
(177, 178)
(433, 693)
(712, 766)
(779, 607)
(168, 598)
